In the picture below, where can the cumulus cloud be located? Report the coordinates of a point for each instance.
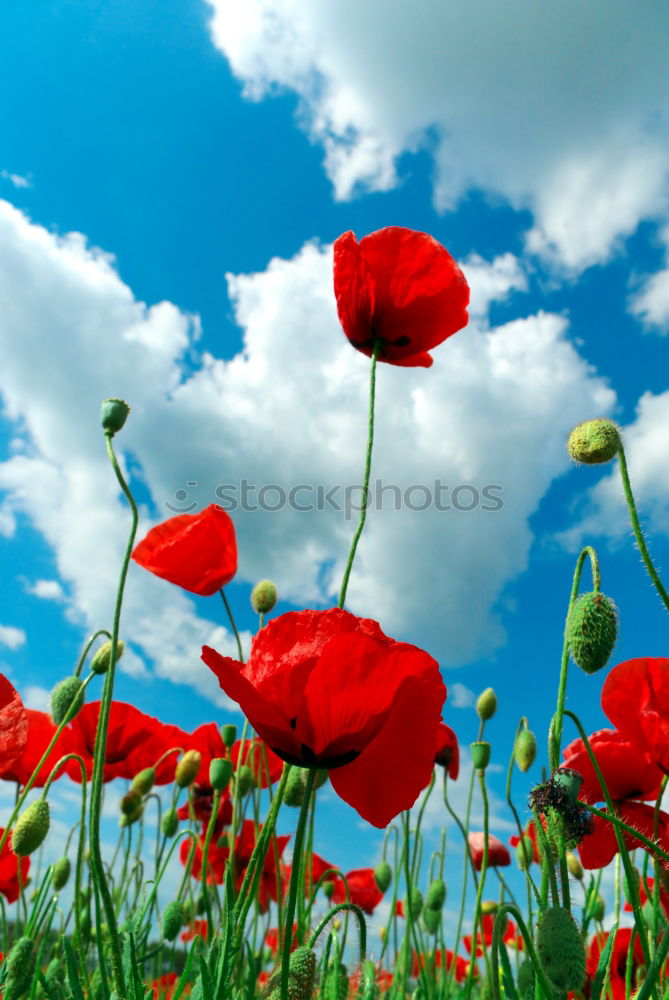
(559, 109)
(12, 637)
(289, 409)
(47, 590)
(650, 300)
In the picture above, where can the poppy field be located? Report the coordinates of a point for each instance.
(232, 905)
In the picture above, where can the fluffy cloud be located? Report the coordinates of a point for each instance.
(47, 590)
(561, 109)
(650, 301)
(12, 637)
(288, 410)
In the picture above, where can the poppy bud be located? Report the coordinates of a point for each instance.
(431, 919)
(173, 920)
(591, 631)
(336, 984)
(370, 990)
(295, 787)
(187, 768)
(67, 693)
(54, 971)
(31, 828)
(328, 889)
(220, 773)
(229, 735)
(480, 754)
(301, 975)
(60, 873)
(436, 894)
(264, 596)
(489, 906)
(245, 780)
(383, 875)
(486, 704)
(127, 819)
(169, 824)
(574, 865)
(113, 414)
(143, 781)
(101, 660)
(525, 977)
(594, 441)
(416, 901)
(525, 749)
(524, 853)
(596, 907)
(131, 802)
(20, 965)
(561, 949)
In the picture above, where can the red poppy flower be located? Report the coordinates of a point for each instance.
(627, 770)
(599, 847)
(202, 803)
(328, 690)
(443, 959)
(621, 947)
(40, 732)
(646, 889)
(196, 551)
(9, 871)
(254, 758)
(197, 929)
(635, 697)
(448, 751)
(272, 940)
(362, 888)
(483, 934)
(402, 287)
(498, 854)
(13, 724)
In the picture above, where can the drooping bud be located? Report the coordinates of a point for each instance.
(370, 989)
(187, 768)
(172, 921)
(131, 802)
(169, 824)
(594, 442)
(561, 949)
(60, 873)
(229, 735)
(220, 773)
(102, 659)
(144, 780)
(383, 875)
(480, 754)
(591, 631)
(486, 704)
(67, 694)
(596, 907)
(301, 975)
(415, 901)
(245, 780)
(328, 888)
(431, 919)
(295, 787)
(574, 865)
(489, 907)
(436, 894)
(113, 415)
(525, 749)
(127, 819)
(31, 828)
(264, 596)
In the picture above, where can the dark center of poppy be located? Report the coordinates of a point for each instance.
(308, 758)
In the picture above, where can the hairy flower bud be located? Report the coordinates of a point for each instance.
(31, 828)
(486, 704)
(264, 596)
(220, 773)
(489, 906)
(187, 768)
(229, 734)
(596, 907)
(144, 780)
(436, 894)
(113, 415)
(20, 965)
(525, 749)
(383, 875)
(561, 949)
(169, 824)
(301, 975)
(67, 694)
(60, 873)
(102, 659)
(591, 631)
(594, 442)
(415, 902)
(172, 921)
(525, 978)
(295, 787)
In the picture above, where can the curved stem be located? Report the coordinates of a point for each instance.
(636, 527)
(232, 625)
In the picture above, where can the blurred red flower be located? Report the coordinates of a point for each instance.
(531, 832)
(498, 853)
(621, 947)
(197, 929)
(362, 888)
(40, 732)
(328, 690)
(401, 286)
(201, 801)
(9, 871)
(13, 724)
(195, 551)
(646, 888)
(448, 751)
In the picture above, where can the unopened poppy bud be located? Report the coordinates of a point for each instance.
(436, 894)
(596, 907)
(144, 780)
(67, 695)
(480, 754)
(525, 977)
(525, 749)
(60, 873)
(173, 920)
(594, 442)
(301, 975)
(415, 900)
(320, 778)
(220, 773)
(383, 875)
(336, 923)
(187, 768)
(113, 414)
(591, 631)
(131, 802)
(488, 907)
(295, 787)
(20, 966)
(127, 819)
(31, 828)
(561, 949)
(486, 704)
(574, 865)
(264, 596)
(102, 659)
(431, 919)
(328, 889)
(169, 824)
(54, 971)
(245, 780)
(229, 735)
(524, 853)
(335, 986)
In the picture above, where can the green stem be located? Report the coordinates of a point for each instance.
(84, 654)
(367, 470)
(362, 926)
(205, 863)
(636, 527)
(233, 626)
(295, 881)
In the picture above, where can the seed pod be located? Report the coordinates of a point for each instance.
(113, 415)
(480, 751)
(60, 873)
(172, 921)
(229, 735)
(594, 442)
(67, 694)
(220, 773)
(591, 631)
(561, 949)
(383, 875)
(525, 749)
(31, 828)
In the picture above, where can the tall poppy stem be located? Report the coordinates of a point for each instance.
(294, 881)
(365, 484)
(638, 534)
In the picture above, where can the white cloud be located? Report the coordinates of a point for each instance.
(17, 180)
(561, 109)
(47, 590)
(289, 409)
(650, 300)
(460, 696)
(36, 697)
(12, 637)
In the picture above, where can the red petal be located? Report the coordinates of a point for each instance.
(626, 769)
(635, 697)
(598, 848)
(13, 724)
(354, 292)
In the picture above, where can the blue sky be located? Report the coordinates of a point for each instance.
(208, 157)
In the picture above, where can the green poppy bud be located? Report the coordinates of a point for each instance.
(54, 971)
(436, 894)
(525, 749)
(187, 768)
(31, 828)
(524, 853)
(525, 977)
(220, 773)
(336, 984)
(169, 824)
(370, 989)
(67, 694)
(480, 754)
(102, 659)
(594, 442)
(415, 901)
(229, 735)
(264, 596)
(127, 819)
(295, 787)
(20, 965)
(383, 875)
(172, 921)
(113, 415)
(431, 919)
(489, 907)
(561, 949)
(591, 631)
(131, 802)
(486, 704)
(245, 779)
(60, 873)
(328, 888)
(574, 865)
(301, 975)
(144, 780)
